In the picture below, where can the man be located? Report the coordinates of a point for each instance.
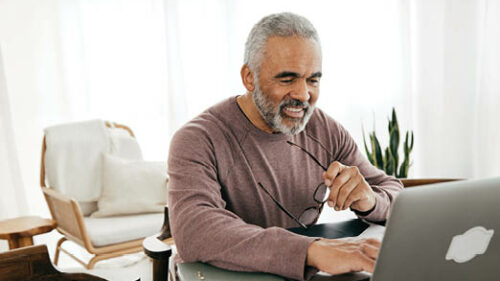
(253, 165)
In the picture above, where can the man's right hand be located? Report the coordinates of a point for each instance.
(338, 256)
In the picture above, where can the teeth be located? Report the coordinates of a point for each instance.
(294, 109)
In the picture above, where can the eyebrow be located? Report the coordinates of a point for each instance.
(295, 74)
(316, 75)
(287, 74)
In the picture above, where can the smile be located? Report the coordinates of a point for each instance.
(294, 112)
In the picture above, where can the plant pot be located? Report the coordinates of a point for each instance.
(417, 182)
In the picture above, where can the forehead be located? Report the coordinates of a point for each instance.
(297, 54)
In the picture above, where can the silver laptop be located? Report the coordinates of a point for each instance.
(448, 231)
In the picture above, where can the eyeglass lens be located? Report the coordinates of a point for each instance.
(309, 215)
(322, 192)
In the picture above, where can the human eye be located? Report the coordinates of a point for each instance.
(314, 81)
(287, 80)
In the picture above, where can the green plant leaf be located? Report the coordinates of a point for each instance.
(388, 159)
(378, 152)
(394, 144)
(368, 153)
(389, 162)
(411, 145)
(403, 170)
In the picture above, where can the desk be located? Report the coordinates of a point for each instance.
(20, 231)
(197, 271)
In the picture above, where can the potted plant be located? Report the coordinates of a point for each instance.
(388, 159)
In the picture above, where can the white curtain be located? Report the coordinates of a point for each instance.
(155, 64)
(455, 85)
(12, 199)
(77, 60)
(363, 65)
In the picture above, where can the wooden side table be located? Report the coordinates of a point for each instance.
(20, 231)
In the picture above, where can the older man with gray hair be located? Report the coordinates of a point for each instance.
(249, 167)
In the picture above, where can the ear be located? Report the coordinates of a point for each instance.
(247, 78)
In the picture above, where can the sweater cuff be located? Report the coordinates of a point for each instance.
(296, 265)
(379, 211)
(309, 271)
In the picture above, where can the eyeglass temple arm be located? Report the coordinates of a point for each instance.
(282, 207)
(308, 153)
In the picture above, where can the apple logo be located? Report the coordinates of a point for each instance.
(473, 242)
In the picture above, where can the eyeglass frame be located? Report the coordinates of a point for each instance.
(321, 203)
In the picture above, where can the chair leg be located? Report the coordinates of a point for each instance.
(160, 270)
(58, 249)
(94, 260)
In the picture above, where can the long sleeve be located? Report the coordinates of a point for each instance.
(204, 230)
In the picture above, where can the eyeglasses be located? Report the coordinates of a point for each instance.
(321, 194)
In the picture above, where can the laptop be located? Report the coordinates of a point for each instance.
(446, 231)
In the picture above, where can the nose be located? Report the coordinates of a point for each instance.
(301, 91)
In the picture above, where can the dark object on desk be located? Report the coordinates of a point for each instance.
(33, 263)
(348, 228)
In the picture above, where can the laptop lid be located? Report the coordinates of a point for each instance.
(448, 231)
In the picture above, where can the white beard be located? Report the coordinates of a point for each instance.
(274, 116)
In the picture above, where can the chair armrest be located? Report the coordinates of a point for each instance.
(158, 246)
(165, 229)
(66, 212)
(156, 249)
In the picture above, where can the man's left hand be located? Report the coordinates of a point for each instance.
(348, 188)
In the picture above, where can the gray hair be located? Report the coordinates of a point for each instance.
(282, 25)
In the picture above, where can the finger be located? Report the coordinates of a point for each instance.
(337, 184)
(330, 203)
(356, 194)
(363, 262)
(370, 251)
(331, 173)
(373, 242)
(345, 193)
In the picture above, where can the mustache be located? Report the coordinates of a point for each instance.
(294, 102)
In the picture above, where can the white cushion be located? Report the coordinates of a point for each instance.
(131, 187)
(87, 208)
(123, 144)
(73, 158)
(112, 230)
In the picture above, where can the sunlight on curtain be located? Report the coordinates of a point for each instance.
(155, 64)
(68, 61)
(12, 195)
(114, 67)
(456, 87)
(362, 55)
(486, 144)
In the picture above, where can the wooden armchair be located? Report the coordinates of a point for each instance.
(84, 230)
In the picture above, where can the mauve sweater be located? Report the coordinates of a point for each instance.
(220, 216)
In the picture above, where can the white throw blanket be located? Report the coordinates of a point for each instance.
(73, 158)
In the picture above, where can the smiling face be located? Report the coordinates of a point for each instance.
(288, 84)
